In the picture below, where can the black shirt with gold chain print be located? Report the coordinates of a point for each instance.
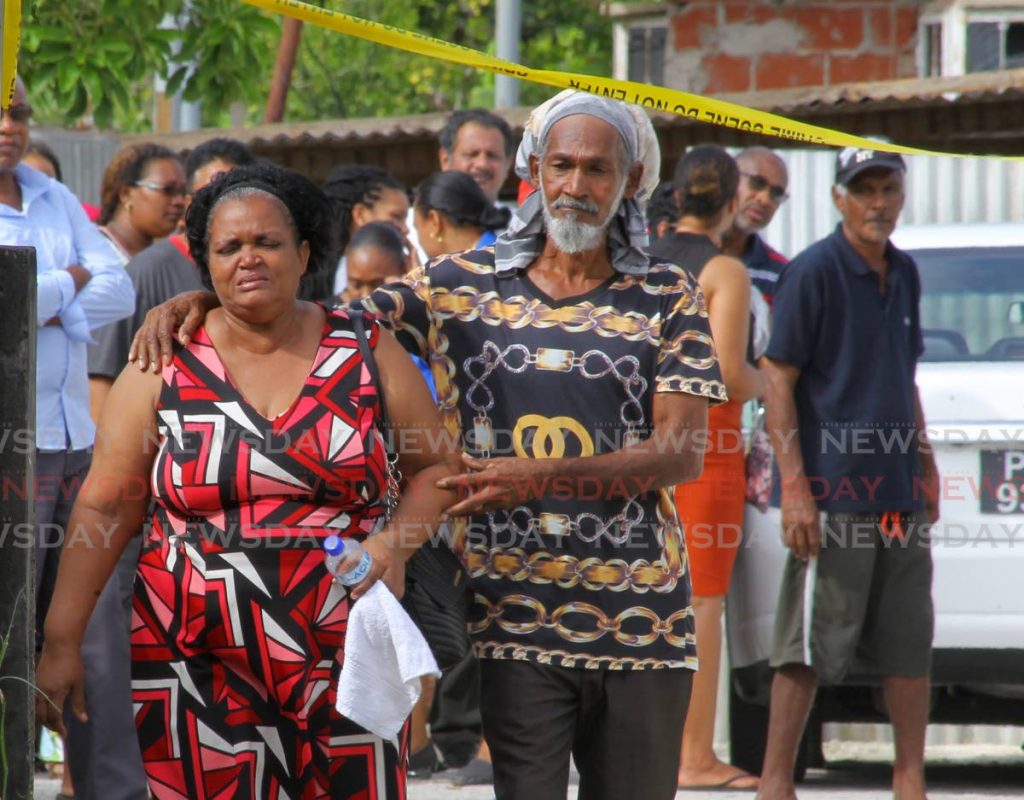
(571, 578)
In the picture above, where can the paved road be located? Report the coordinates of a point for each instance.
(955, 772)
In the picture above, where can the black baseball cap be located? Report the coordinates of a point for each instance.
(852, 161)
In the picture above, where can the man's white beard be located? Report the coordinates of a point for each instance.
(569, 234)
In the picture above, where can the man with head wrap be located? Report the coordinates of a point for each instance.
(576, 369)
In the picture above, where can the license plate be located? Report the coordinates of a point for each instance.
(1002, 481)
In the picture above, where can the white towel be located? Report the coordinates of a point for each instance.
(385, 656)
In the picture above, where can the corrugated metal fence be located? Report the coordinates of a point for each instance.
(83, 157)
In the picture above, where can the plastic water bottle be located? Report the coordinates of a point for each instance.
(349, 551)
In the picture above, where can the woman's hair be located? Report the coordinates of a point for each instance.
(662, 207)
(460, 198)
(230, 151)
(305, 203)
(348, 186)
(44, 150)
(126, 168)
(384, 237)
(705, 180)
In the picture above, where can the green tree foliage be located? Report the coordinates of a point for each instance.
(98, 58)
(338, 76)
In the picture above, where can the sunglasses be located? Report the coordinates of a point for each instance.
(758, 184)
(170, 189)
(20, 113)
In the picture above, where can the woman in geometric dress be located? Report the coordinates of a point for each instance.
(259, 439)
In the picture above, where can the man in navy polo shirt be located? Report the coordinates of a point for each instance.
(858, 478)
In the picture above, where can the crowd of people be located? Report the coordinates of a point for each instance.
(569, 426)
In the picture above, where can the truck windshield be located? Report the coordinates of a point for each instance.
(972, 303)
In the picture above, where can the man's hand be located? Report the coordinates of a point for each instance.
(495, 483)
(801, 524)
(185, 312)
(80, 275)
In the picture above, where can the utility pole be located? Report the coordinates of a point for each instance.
(508, 30)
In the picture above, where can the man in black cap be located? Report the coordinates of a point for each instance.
(858, 478)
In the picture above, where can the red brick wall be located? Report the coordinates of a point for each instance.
(749, 45)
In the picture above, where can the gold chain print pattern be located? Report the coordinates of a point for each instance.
(567, 577)
(598, 623)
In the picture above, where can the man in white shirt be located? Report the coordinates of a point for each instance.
(80, 287)
(480, 143)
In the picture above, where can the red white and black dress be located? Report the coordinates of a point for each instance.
(238, 631)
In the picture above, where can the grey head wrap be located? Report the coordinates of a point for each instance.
(524, 238)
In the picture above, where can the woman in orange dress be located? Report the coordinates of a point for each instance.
(711, 508)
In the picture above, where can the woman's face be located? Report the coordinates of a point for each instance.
(254, 258)
(368, 268)
(157, 201)
(392, 206)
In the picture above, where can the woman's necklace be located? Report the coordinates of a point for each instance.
(112, 238)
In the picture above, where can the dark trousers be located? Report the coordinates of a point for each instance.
(103, 753)
(624, 730)
(58, 479)
(455, 718)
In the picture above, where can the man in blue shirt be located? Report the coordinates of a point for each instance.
(849, 435)
(80, 286)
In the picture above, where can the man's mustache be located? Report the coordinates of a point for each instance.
(575, 205)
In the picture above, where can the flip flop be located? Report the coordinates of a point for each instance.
(724, 786)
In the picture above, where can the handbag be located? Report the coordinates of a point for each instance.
(758, 464)
(437, 595)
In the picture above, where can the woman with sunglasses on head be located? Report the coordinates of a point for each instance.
(142, 198)
(711, 508)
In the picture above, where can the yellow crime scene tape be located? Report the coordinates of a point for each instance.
(704, 109)
(10, 38)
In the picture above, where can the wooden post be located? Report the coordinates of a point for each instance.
(287, 51)
(17, 517)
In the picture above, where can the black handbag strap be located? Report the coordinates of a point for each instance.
(359, 329)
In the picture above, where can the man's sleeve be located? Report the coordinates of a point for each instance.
(404, 308)
(687, 361)
(109, 294)
(55, 291)
(796, 316)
